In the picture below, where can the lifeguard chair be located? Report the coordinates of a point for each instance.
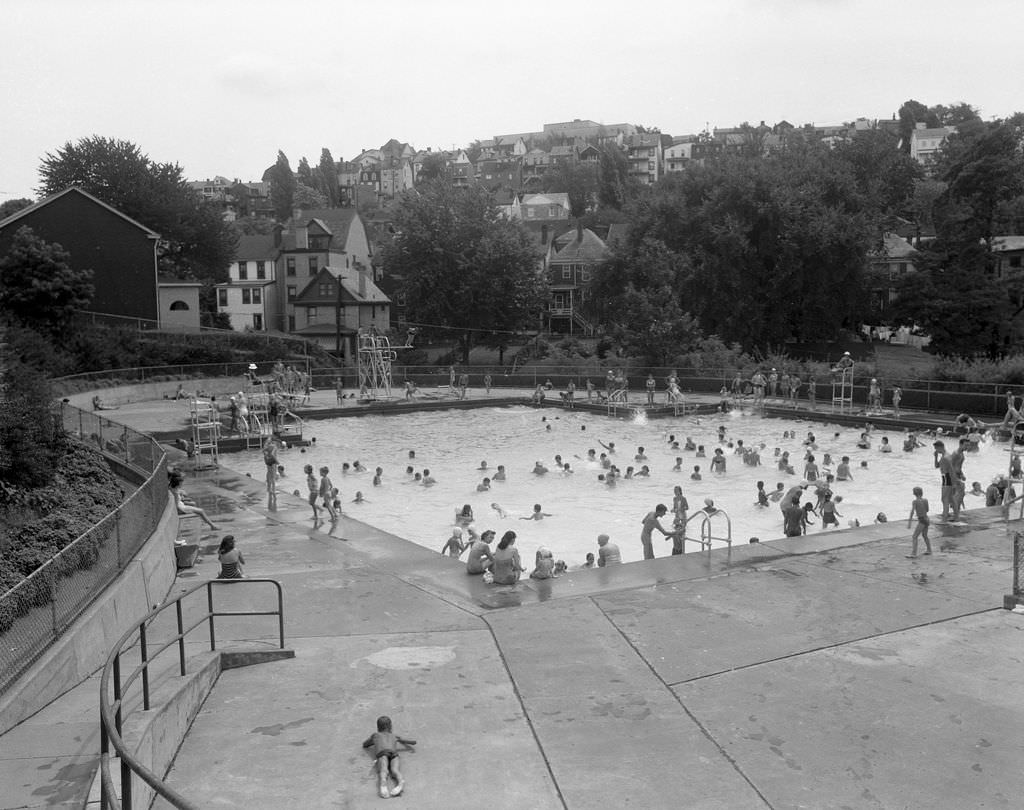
(842, 384)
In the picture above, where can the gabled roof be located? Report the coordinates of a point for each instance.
(569, 247)
(167, 280)
(310, 294)
(1001, 244)
(895, 246)
(618, 232)
(554, 198)
(335, 221)
(76, 190)
(935, 132)
(258, 247)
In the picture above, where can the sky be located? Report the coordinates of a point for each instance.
(219, 86)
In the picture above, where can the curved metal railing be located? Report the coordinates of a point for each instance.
(706, 537)
(113, 689)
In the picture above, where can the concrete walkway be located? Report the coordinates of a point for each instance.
(819, 672)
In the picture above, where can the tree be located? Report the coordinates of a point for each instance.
(303, 173)
(911, 114)
(432, 168)
(637, 296)
(282, 186)
(38, 286)
(327, 178)
(962, 311)
(578, 181)
(9, 207)
(463, 267)
(195, 240)
(308, 197)
(757, 250)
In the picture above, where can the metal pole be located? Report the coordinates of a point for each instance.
(143, 655)
(209, 606)
(181, 638)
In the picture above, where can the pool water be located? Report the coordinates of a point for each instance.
(452, 445)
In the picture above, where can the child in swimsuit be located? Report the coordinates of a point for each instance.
(384, 744)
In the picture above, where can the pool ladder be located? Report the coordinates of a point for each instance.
(706, 526)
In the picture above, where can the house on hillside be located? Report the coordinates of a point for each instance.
(311, 240)
(249, 297)
(121, 252)
(335, 304)
(1009, 255)
(926, 142)
(886, 266)
(571, 261)
(644, 156)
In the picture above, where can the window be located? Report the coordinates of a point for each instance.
(1015, 261)
(552, 210)
(178, 305)
(257, 321)
(246, 296)
(566, 272)
(261, 270)
(222, 298)
(311, 314)
(243, 270)
(291, 323)
(257, 296)
(313, 262)
(585, 274)
(291, 293)
(903, 267)
(290, 266)
(326, 289)
(530, 213)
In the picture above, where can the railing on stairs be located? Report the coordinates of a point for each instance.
(113, 689)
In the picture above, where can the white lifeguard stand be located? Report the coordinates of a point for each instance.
(205, 432)
(374, 356)
(842, 384)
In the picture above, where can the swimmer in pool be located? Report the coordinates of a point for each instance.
(537, 514)
(484, 486)
(500, 474)
(695, 475)
(679, 464)
(501, 512)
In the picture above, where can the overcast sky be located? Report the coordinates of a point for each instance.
(219, 86)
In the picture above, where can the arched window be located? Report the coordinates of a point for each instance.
(178, 305)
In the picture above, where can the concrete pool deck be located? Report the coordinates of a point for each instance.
(824, 671)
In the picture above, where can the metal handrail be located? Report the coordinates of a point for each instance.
(111, 720)
(705, 529)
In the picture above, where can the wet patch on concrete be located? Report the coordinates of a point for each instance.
(278, 728)
(410, 657)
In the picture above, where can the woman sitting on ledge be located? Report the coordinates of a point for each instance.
(174, 481)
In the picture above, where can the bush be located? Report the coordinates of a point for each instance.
(39, 523)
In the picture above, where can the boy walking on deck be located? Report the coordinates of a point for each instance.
(919, 509)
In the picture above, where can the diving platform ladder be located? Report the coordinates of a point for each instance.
(205, 423)
(374, 357)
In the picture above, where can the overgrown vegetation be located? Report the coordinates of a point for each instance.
(53, 487)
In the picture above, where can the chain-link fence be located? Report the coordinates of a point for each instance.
(36, 611)
(979, 399)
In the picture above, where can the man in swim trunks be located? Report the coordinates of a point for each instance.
(651, 522)
(944, 465)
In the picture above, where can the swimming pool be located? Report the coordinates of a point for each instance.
(452, 444)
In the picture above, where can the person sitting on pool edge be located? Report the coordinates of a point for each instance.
(607, 553)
